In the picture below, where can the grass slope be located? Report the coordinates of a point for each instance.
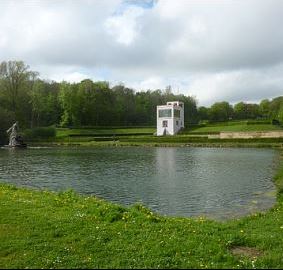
(42, 229)
(138, 136)
(242, 127)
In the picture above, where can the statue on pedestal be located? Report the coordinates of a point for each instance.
(15, 139)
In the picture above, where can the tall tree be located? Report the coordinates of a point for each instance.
(15, 81)
(203, 113)
(220, 111)
(264, 108)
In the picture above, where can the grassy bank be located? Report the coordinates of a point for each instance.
(242, 126)
(236, 128)
(42, 229)
(150, 140)
(143, 136)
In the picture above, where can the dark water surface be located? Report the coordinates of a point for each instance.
(216, 182)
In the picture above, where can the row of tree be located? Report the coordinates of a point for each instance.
(35, 102)
(223, 111)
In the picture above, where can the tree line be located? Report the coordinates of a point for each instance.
(223, 111)
(35, 102)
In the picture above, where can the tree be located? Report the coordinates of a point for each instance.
(203, 113)
(15, 81)
(252, 111)
(124, 109)
(246, 111)
(280, 114)
(264, 108)
(43, 98)
(275, 106)
(69, 103)
(240, 110)
(220, 111)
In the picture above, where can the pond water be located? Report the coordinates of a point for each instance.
(220, 183)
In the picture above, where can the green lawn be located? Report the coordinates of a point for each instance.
(42, 229)
(215, 128)
(197, 136)
(238, 127)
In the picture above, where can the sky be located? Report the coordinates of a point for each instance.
(213, 50)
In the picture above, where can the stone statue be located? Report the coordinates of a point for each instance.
(15, 139)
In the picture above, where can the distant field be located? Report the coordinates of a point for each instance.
(211, 128)
(237, 127)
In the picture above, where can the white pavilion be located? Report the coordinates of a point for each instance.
(170, 118)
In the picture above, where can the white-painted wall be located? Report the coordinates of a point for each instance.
(172, 127)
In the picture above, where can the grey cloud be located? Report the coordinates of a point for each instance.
(186, 41)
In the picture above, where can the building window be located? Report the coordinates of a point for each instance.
(177, 113)
(177, 123)
(165, 113)
(164, 123)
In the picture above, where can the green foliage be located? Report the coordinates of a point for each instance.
(246, 111)
(264, 108)
(258, 122)
(280, 114)
(34, 102)
(220, 111)
(275, 106)
(203, 113)
(16, 80)
(40, 133)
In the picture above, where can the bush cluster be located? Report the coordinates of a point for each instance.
(40, 133)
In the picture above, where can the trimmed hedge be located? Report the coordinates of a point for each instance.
(40, 133)
(109, 134)
(259, 122)
(106, 127)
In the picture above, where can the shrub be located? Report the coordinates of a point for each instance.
(40, 133)
(275, 122)
(258, 122)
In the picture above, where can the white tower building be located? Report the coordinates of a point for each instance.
(170, 118)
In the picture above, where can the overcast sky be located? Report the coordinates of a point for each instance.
(214, 50)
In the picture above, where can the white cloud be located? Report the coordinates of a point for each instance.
(151, 83)
(235, 86)
(124, 27)
(70, 77)
(213, 49)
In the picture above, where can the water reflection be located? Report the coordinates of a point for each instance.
(172, 181)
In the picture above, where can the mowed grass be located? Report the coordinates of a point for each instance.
(239, 126)
(236, 128)
(43, 229)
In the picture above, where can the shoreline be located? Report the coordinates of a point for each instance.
(277, 145)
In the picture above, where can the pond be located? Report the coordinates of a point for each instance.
(220, 183)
